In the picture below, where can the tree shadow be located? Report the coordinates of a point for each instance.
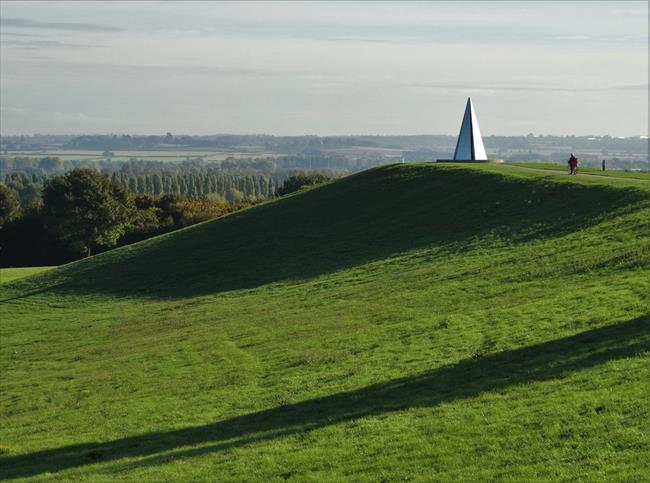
(466, 379)
(365, 217)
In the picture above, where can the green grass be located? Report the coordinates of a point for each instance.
(11, 274)
(412, 322)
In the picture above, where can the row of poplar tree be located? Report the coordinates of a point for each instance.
(231, 187)
(228, 187)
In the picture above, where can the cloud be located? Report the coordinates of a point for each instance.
(167, 71)
(40, 44)
(352, 39)
(634, 87)
(58, 116)
(71, 26)
(16, 34)
(486, 86)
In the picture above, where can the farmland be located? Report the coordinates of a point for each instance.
(622, 153)
(173, 155)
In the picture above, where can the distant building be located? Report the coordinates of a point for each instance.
(469, 146)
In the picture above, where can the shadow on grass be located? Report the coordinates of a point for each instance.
(466, 379)
(369, 216)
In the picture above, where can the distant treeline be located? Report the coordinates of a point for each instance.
(219, 187)
(277, 167)
(226, 181)
(229, 187)
(49, 220)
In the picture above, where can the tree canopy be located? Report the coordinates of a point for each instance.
(301, 180)
(9, 204)
(85, 208)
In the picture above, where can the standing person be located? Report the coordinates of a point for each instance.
(603, 165)
(573, 164)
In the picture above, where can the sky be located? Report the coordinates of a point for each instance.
(563, 68)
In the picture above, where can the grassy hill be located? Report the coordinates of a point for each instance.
(10, 274)
(409, 322)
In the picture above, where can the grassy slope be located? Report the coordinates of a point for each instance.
(407, 322)
(10, 274)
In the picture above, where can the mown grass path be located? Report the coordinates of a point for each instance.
(586, 172)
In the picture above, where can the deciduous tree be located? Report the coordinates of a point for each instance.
(84, 208)
(9, 205)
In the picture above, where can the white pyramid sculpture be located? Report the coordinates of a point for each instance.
(470, 144)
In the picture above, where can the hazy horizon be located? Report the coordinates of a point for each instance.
(360, 134)
(328, 69)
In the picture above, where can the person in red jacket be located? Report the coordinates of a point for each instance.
(573, 164)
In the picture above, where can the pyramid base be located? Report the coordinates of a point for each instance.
(491, 161)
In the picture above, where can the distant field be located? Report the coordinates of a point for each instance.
(11, 274)
(357, 150)
(150, 155)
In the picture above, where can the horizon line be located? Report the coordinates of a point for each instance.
(633, 136)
